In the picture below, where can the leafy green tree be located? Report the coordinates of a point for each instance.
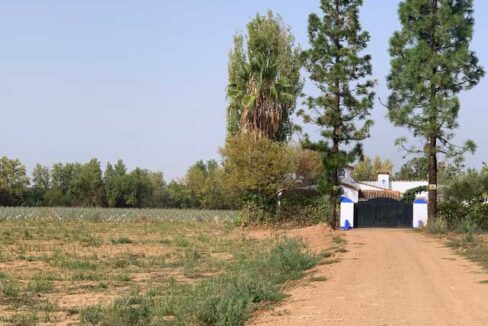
(159, 196)
(194, 181)
(41, 179)
(264, 79)
(339, 70)
(61, 192)
(13, 181)
(140, 189)
(416, 168)
(87, 186)
(368, 170)
(116, 183)
(431, 63)
(177, 195)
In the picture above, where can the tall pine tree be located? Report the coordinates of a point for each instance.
(339, 70)
(431, 63)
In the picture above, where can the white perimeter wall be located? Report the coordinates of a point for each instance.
(403, 186)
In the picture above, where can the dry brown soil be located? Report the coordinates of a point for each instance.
(388, 277)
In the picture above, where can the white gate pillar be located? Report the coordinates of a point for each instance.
(419, 213)
(347, 211)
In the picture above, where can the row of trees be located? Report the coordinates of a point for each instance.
(431, 64)
(86, 184)
(207, 185)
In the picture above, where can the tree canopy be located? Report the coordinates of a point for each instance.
(368, 170)
(431, 63)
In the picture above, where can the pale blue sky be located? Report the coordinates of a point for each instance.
(145, 80)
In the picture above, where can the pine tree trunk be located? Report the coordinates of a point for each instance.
(432, 148)
(334, 181)
(333, 208)
(335, 136)
(432, 206)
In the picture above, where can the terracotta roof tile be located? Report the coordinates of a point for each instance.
(371, 194)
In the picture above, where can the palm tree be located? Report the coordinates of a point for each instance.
(264, 84)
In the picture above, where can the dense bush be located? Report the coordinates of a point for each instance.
(464, 217)
(468, 186)
(303, 208)
(257, 170)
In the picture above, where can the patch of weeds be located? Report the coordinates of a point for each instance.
(91, 315)
(72, 311)
(484, 282)
(329, 261)
(472, 247)
(102, 286)
(325, 254)
(41, 283)
(337, 239)
(83, 236)
(28, 258)
(256, 275)
(204, 238)
(122, 240)
(165, 242)
(10, 287)
(62, 261)
(181, 242)
(437, 226)
(27, 235)
(84, 275)
(24, 319)
(47, 309)
(126, 260)
(318, 279)
(123, 277)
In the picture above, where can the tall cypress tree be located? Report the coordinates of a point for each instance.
(339, 70)
(431, 63)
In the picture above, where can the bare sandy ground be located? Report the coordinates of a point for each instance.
(388, 278)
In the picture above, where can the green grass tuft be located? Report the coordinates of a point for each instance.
(318, 279)
(122, 240)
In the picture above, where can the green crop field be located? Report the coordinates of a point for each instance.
(112, 214)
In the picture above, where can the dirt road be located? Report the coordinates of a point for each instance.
(389, 277)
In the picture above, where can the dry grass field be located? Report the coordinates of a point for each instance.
(139, 270)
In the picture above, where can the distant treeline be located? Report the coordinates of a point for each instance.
(88, 185)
